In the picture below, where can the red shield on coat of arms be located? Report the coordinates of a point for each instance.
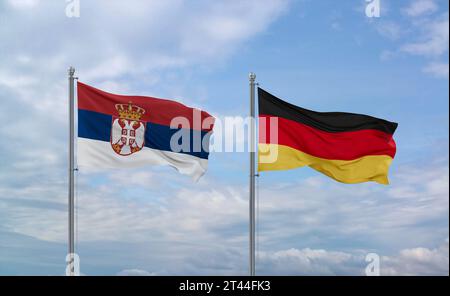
(128, 131)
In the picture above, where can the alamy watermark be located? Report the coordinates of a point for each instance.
(373, 8)
(73, 264)
(230, 134)
(73, 8)
(373, 266)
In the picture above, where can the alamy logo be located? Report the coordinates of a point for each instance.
(373, 266)
(373, 8)
(73, 8)
(73, 264)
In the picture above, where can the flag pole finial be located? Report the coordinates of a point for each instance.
(71, 71)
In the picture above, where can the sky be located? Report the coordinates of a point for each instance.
(321, 55)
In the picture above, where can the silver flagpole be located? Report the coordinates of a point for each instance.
(71, 170)
(252, 78)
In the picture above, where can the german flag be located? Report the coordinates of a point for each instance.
(350, 148)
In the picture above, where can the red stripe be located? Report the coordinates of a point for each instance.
(337, 146)
(159, 111)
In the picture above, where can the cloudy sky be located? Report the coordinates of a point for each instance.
(322, 55)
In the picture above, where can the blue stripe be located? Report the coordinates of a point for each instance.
(97, 126)
(93, 125)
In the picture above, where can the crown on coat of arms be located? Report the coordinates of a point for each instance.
(129, 111)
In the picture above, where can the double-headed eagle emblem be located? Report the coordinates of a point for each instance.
(128, 131)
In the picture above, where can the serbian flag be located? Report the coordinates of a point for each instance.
(116, 131)
(350, 148)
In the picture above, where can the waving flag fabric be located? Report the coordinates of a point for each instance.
(350, 148)
(116, 131)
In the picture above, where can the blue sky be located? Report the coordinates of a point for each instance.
(321, 55)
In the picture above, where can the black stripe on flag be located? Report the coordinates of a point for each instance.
(326, 121)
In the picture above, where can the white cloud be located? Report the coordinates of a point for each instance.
(211, 218)
(336, 26)
(16, 82)
(218, 260)
(429, 37)
(389, 30)
(421, 7)
(437, 69)
(23, 4)
(434, 41)
(160, 38)
(418, 261)
(177, 224)
(387, 55)
(307, 262)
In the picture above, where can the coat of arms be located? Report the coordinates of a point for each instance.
(128, 131)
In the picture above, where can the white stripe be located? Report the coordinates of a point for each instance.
(99, 154)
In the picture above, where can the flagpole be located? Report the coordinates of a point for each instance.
(71, 72)
(252, 78)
